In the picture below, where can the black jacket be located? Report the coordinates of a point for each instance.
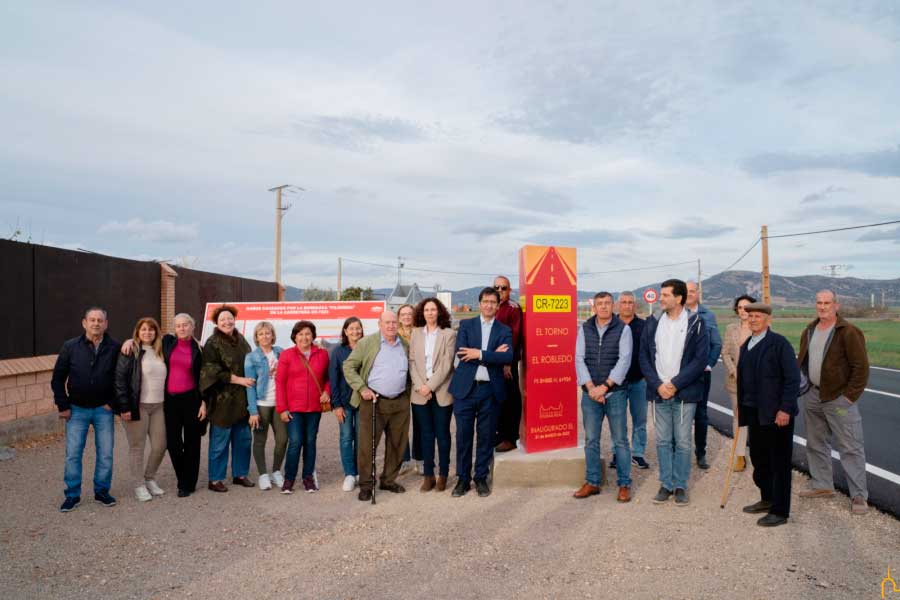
(128, 383)
(83, 377)
(775, 379)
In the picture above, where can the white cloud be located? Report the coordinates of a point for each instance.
(152, 231)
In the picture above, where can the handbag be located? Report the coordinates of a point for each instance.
(325, 406)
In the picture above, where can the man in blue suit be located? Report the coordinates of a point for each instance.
(483, 346)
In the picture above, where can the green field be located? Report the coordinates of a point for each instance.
(882, 337)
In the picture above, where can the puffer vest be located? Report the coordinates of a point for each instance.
(600, 358)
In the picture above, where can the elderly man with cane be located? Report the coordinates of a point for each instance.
(378, 373)
(768, 383)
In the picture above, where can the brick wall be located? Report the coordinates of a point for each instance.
(26, 401)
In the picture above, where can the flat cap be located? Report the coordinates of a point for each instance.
(759, 307)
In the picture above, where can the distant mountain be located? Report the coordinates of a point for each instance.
(723, 288)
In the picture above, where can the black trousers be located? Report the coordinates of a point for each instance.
(701, 419)
(183, 433)
(771, 449)
(510, 410)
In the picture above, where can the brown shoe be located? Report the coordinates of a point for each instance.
(858, 506)
(505, 446)
(217, 486)
(242, 481)
(740, 463)
(624, 494)
(816, 493)
(428, 483)
(587, 490)
(441, 484)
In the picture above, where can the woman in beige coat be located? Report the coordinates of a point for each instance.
(735, 335)
(431, 356)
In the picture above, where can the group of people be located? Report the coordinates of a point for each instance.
(168, 389)
(623, 363)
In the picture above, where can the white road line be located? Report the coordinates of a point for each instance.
(885, 369)
(883, 393)
(884, 474)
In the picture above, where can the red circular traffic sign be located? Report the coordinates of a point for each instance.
(650, 296)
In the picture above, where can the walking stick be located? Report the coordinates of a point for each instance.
(730, 469)
(374, 400)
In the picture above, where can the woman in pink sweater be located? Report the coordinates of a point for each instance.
(301, 391)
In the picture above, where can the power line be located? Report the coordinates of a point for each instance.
(423, 270)
(647, 268)
(728, 268)
(784, 235)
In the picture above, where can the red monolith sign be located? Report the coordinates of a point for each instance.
(549, 297)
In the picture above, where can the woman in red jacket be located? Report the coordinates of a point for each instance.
(301, 390)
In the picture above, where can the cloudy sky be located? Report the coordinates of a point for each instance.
(452, 133)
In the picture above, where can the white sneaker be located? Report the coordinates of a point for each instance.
(277, 479)
(349, 483)
(420, 467)
(142, 493)
(154, 488)
(264, 482)
(404, 468)
(357, 480)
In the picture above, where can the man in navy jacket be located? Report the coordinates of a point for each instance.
(674, 355)
(768, 383)
(484, 347)
(701, 420)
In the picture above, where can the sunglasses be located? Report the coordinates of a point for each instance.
(501, 288)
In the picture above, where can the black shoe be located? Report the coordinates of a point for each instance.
(681, 497)
(105, 499)
(612, 463)
(483, 489)
(392, 487)
(771, 520)
(242, 481)
(759, 507)
(462, 487)
(183, 493)
(701, 462)
(639, 462)
(662, 496)
(365, 495)
(70, 504)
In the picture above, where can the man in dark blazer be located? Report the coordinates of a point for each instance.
(484, 347)
(768, 383)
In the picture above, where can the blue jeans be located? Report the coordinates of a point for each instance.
(238, 437)
(673, 442)
(303, 429)
(637, 405)
(349, 436)
(76, 437)
(616, 410)
(434, 424)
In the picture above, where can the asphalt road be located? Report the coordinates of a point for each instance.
(880, 408)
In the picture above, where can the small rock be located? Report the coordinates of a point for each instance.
(7, 453)
(822, 584)
(792, 568)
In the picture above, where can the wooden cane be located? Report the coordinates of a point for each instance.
(730, 469)
(374, 446)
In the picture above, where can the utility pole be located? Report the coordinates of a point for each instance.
(699, 283)
(340, 264)
(764, 236)
(400, 265)
(279, 215)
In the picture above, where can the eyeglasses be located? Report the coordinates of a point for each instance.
(501, 288)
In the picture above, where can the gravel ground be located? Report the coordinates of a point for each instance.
(536, 543)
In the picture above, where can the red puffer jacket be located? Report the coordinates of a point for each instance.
(295, 390)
